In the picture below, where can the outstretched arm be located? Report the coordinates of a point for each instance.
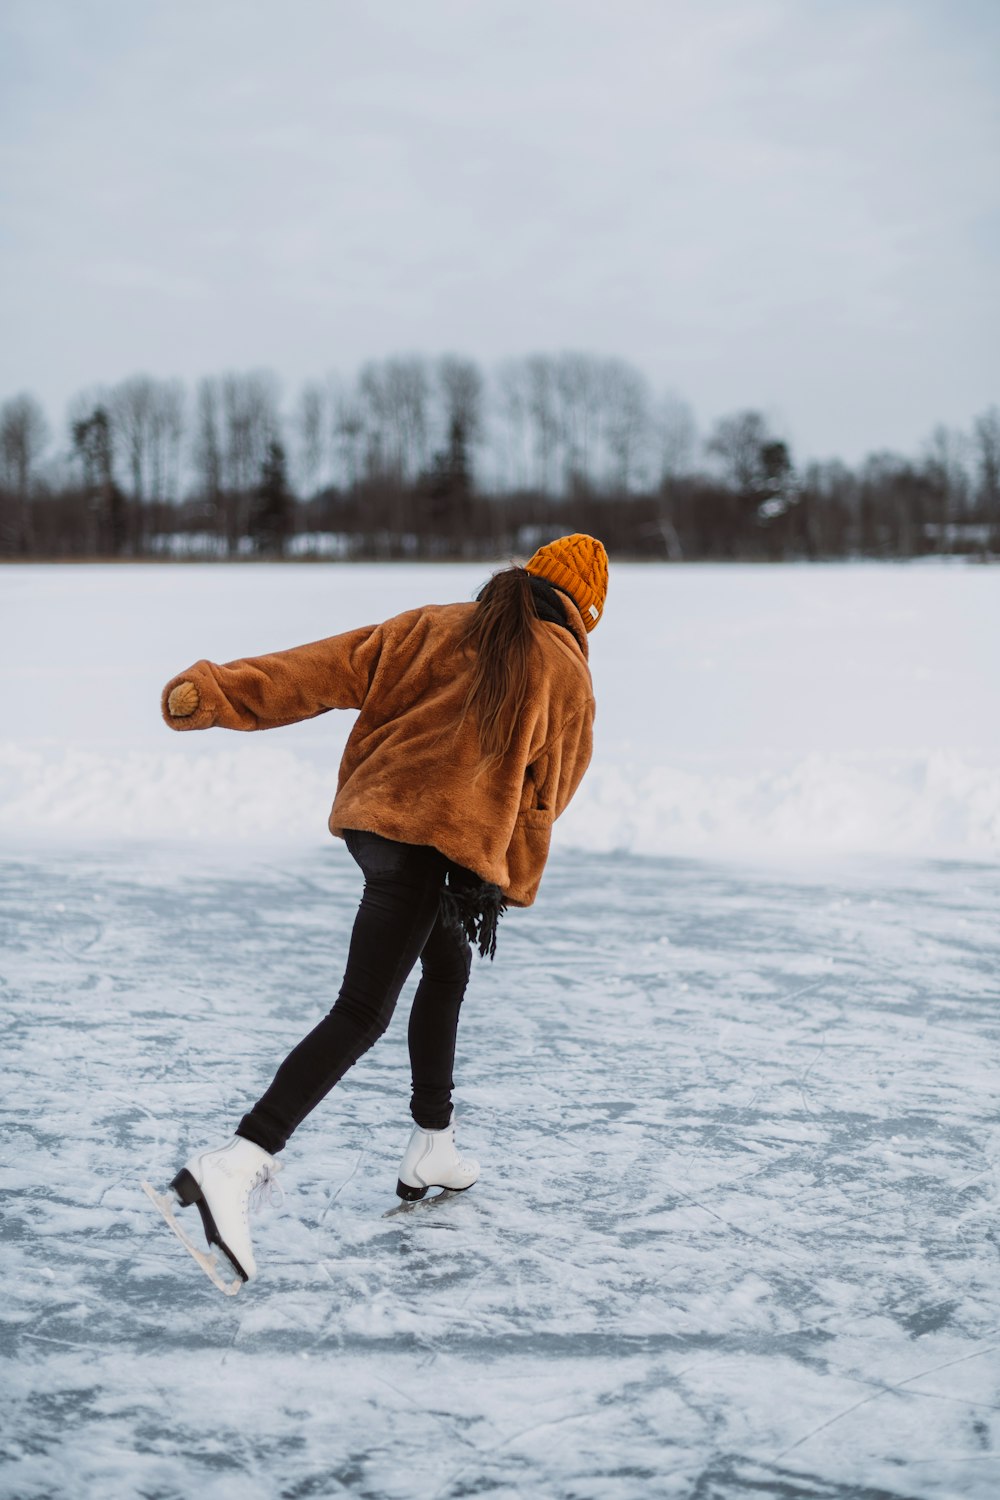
(264, 692)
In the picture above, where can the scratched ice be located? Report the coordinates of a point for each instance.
(735, 1233)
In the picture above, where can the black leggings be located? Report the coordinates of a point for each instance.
(398, 921)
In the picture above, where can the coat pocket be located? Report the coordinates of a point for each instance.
(526, 856)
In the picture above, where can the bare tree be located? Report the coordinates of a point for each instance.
(737, 442)
(460, 384)
(946, 466)
(24, 436)
(236, 420)
(675, 436)
(130, 406)
(986, 447)
(349, 435)
(513, 423)
(410, 387)
(580, 393)
(543, 411)
(207, 454)
(310, 427)
(627, 423)
(373, 402)
(167, 440)
(250, 424)
(148, 420)
(394, 397)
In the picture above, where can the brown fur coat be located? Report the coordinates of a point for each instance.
(409, 767)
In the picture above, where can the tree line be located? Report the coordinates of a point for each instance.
(433, 458)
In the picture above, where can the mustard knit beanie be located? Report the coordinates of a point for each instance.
(578, 565)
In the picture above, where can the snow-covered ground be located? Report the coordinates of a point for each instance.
(736, 1228)
(744, 710)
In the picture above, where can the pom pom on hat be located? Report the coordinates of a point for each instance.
(578, 565)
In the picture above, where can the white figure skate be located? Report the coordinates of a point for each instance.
(222, 1184)
(432, 1160)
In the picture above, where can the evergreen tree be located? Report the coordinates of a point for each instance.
(447, 487)
(271, 512)
(92, 440)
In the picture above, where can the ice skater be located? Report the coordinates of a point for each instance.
(473, 733)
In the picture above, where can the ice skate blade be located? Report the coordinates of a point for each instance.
(208, 1263)
(414, 1205)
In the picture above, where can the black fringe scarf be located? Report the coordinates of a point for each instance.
(471, 908)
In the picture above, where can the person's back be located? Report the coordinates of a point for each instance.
(413, 768)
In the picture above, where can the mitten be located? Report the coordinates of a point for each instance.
(183, 700)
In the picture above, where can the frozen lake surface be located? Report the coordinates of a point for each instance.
(732, 1081)
(736, 1231)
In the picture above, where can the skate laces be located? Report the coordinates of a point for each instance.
(266, 1192)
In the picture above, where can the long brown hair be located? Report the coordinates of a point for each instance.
(501, 637)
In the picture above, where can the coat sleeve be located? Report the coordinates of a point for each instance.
(264, 692)
(560, 767)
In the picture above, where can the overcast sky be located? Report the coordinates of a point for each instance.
(788, 204)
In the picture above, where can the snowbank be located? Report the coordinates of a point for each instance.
(741, 711)
(937, 804)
